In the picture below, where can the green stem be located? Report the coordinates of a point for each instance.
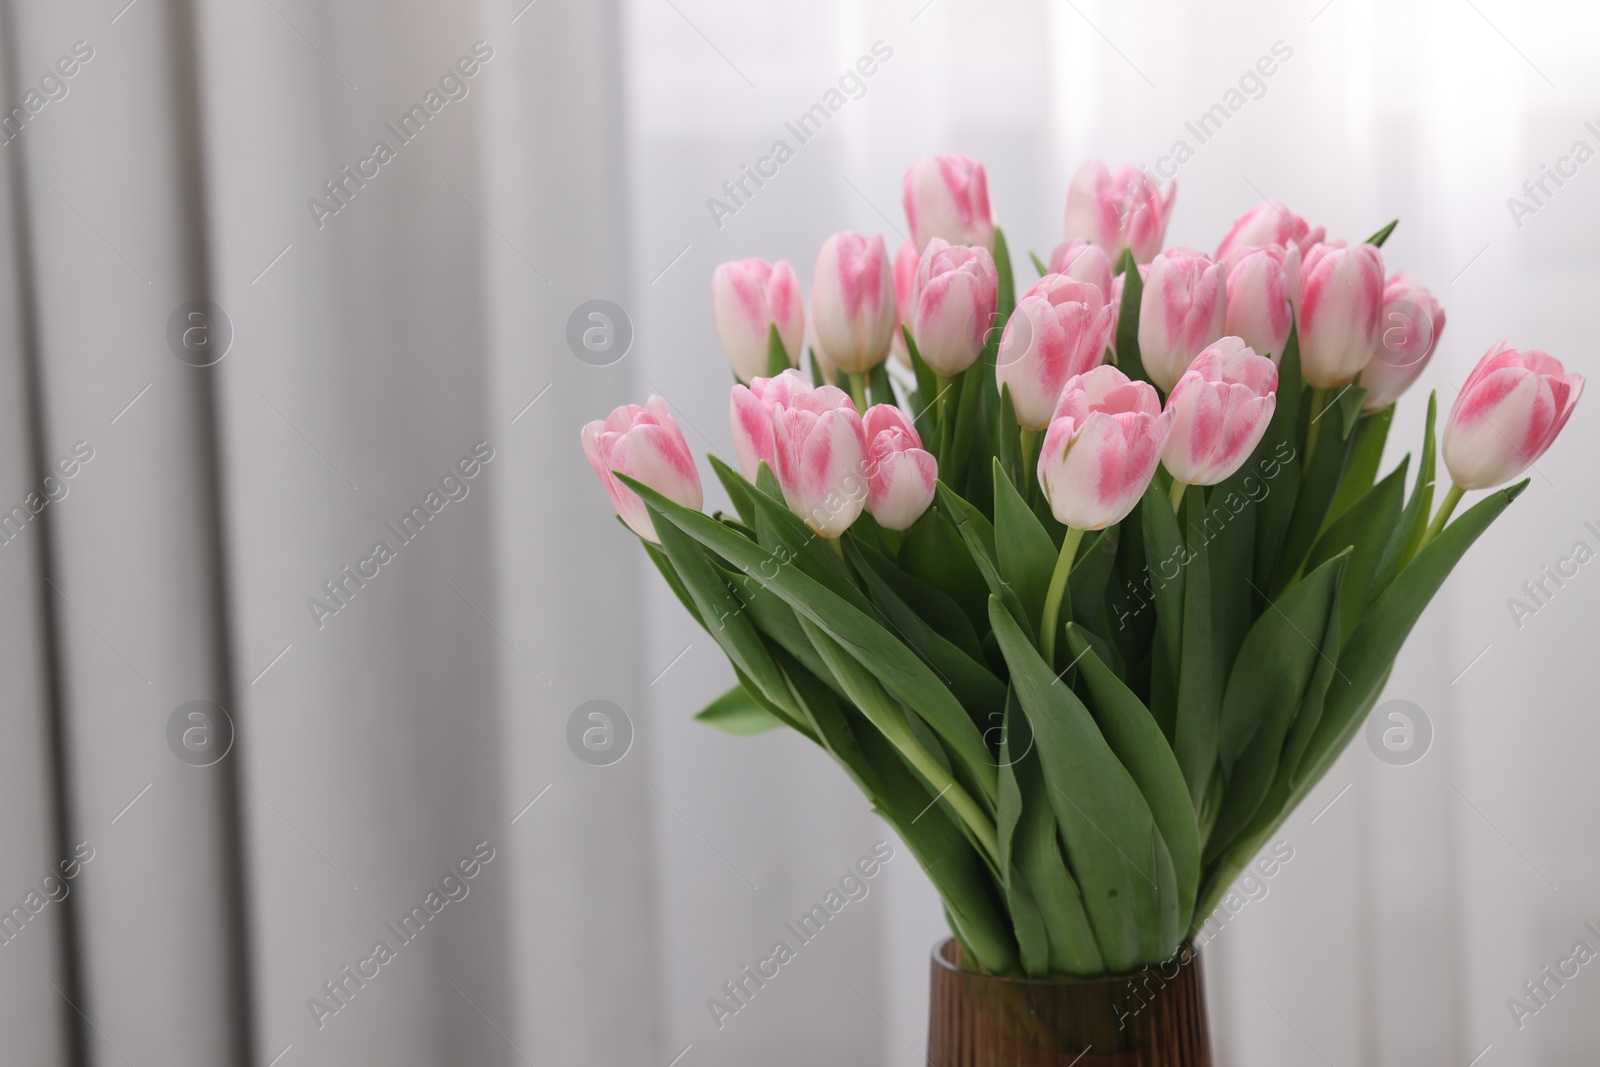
(931, 769)
(1446, 508)
(943, 431)
(836, 544)
(858, 389)
(1175, 494)
(1029, 476)
(1319, 404)
(1051, 622)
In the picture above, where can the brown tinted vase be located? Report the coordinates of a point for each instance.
(1156, 1018)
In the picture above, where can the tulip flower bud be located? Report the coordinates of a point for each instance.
(821, 452)
(645, 444)
(1507, 414)
(748, 298)
(901, 476)
(1184, 308)
(1117, 210)
(905, 287)
(1102, 448)
(751, 409)
(1408, 333)
(948, 197)
(1263, 285)
(1341, 294)
(1220, 410)
(956, 290)
(1060, 328)
(1083, 262)
(1267, 225)
(852, 302)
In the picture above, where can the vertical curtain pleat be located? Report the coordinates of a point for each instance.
(354, 394)
(37, 931)
(135, 555)
(567, 598)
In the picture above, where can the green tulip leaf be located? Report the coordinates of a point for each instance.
(664, 565)
(1166, 556)
(1129, 361)
(739, 490)
(1002, 267)
(1318, 484)
(979, 536)
(1038, 872)
(934, 553)
(1281, 473)
(979, 691)
(1026, 555)
(1361, 469)
(971, 898)
(778, 359)
(1123, 867)
(737, 712)
(1138, 742)
(879, 389)
(1007, 446)
(1199, 679)
(889, 660)
(1349, 403)
(1382, 235)
(1364, 528)
(1270, 682)
(932, 604)
(1371, 651)
(719, 611)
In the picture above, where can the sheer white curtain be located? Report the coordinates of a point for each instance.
(381, 350)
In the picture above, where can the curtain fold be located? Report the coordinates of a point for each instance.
(134, 562)
(554, 222)
(37, 978)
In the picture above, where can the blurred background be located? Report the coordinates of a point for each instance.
(190, 487)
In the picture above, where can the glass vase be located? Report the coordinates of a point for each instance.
(1156, 1018)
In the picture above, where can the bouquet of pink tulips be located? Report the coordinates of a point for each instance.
(1084, 590)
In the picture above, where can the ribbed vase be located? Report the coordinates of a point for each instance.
(1156, 1018)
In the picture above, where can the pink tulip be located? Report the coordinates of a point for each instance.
(1084, 262)
(751, 411)
(1409, 327)
(645, 444)
(948, 197)
(1102, 448)
(748, 298)
(1506, 415)
(900, 475)
(1263, 286)
(1184, 309)
(1061, 327)
(1117, 210)
(1268, 225)
(1089, 263)
(905, 286)
(852, 301)
(956, 290)
(1220, 409)
(1341, 296)
(821, 450)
